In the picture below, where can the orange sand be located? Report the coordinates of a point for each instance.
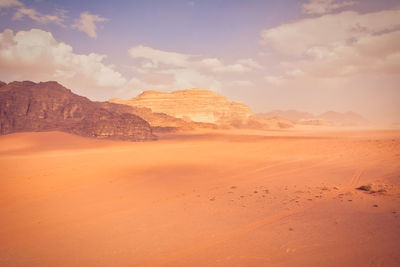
(201, 200)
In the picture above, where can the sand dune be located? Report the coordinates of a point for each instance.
(237, 198)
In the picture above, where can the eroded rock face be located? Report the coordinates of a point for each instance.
(48, 106)
(192, 105)
(159, 122)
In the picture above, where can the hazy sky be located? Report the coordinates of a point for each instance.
(313, 56)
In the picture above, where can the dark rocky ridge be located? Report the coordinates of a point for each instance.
(48, 106)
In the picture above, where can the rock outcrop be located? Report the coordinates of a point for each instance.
(264, 123)
(159, 122)
(48, 106)
(195, 105)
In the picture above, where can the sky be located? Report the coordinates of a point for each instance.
(311, 55)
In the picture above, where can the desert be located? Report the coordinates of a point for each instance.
(194, 133)
(225, 198)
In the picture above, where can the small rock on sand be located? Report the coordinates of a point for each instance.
(367, 187)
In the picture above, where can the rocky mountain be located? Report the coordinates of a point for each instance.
(192, 105)
(262, 123)
(48, 106)
(159, 122)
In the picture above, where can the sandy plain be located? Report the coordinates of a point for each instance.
(227, 198)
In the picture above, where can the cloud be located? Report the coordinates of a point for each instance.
(173, 79)
(324, 6)
(336, 45)
(23, 11)
(296, 38)
(157, 57)
(87, 23)
(250, 63)
(216, 65)
(36, 55)
(242, 83)
(367, 54)
(38, 17)
(154, 58)
(9, 3)
(189, 78)
(160, 69)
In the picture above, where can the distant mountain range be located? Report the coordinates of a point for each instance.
(327, 118)
(49, 106)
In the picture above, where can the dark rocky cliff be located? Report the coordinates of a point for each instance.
(48, 106)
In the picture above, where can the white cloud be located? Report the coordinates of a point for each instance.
(36, 55)
(38, 17)
(367, 54)
(189, 78)
(87, 23)
(324, 6)
(157, 57)
(296, 38)
(343, 61)
(216, 65)
(9, 3)
(344, 44)
(22, 11)
(174, 79)
(160, 69)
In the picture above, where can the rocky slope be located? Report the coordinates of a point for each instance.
(195, 105)
(48, 106)
(159, 122)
